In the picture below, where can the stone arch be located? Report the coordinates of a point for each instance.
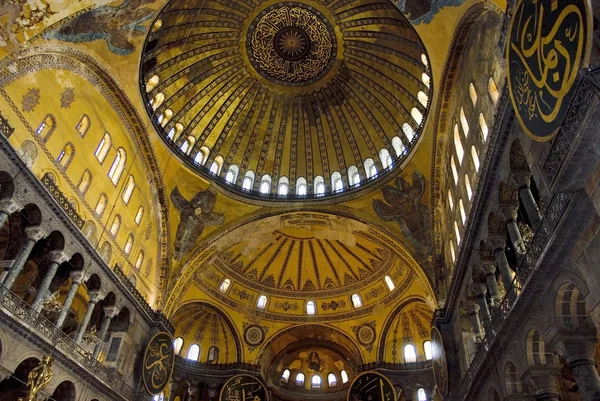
(570, 309)
(493, 394)
(512, 380)
(517, 158)
(65, 391)
(93, 282)
(15, 386)
(28, 152)
(120, 323)
(32, 215)
(535, 351)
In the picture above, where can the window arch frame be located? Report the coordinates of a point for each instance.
(139, 215)
(128, 190)
(83, 125)
(103, 147)
(85, 181)
(319, 186)
(370, 168)
(311, 308)
(301, 186)
(101, 204)
(139, 260)
(225, 284)
(178, 345)
(344, 376)
(262, 302)
(337, 183)
(66, 155)
(356, 301)
(389, 283)
(213, 354)
(409, 351)
(285, 375)
(316, 381)
(330, 382)
(116, 169)
(427, 350)
(300, 379)
(115, 226)
(192, 352)
(128, 244)
(386, 159)
(248, 180)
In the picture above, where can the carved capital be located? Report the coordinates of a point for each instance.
(544, 380)
(77, 276)
(496, 242)
(9, 206)
(508, 212)
(480, 289)
(520, 177)
(95, 296)
(575, 347)
(58, 256)
(111, 311)
(35, 233)
(488, 267)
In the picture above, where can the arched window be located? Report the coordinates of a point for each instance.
(265, 184)
(450, 200)
(410, 353)
(301, 186)
(285, 376)
(232, 173)
(468, 187)
(139, 260)
(424, 60)
(165, 117)
(225, 285)
(315, 381)
(46, 127)
(370, 168)
(116, 224)
(217, 164)
(463, 214)
(174, 132)
(423, 98)
(283, 188)
(213, 354)
(152, 82)
(202, 155)
(336, 182)
(386, 159)
(475, 157)
(398, 146)
(427, 349)
(194, 352)
(409, 132)
(83, 125)
(319, 183)
(101, 205)
(177, 345)
(300, 379)
(186, 146)
(85, 181)
(248, 181)
(390, 283)
(463, 122)
(353, 175)
(262, 302)
(310, 308)
(416, 115)
(473, 93)
(128, 244)
(356, 301)
(421, 395)
(344, 376)
(452, 252)
(493, 90)
(460, 152)
(457, 232)
(454, 170)
(157, 101)
(483, 126)
(139, 215)
(118, 166)
(128, 191)
(331, 380)
(103, 147)
(426, 80)
(66, 155)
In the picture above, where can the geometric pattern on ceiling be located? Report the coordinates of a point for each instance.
(292, 93)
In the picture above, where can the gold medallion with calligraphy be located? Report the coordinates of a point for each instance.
(158, 364)
(440, 366)
(548, 44)
(371, 386)
(244, 387)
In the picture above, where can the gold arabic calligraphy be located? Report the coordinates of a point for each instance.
(158, 363)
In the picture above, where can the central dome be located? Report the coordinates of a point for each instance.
(286, 100)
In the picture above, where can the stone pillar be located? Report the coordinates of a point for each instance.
(76, 280)
(94, 298)
(489, 272)
(56, 258)
(34, 234)
(7, 207)
(531, 207)
(578, 350)
(506, 272)
(109, 313)
(484, 311)
(473, 314)
(191, 392)
(545, 381)
(515, 237)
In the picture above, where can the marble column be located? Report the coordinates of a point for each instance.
(56, 258)
(515, 237)
(489, 272)
(94, 298)
(506, 272)
(545, 381)
(109, 313)
(34, 234)
(484, 311)
(76, 280)
(531, 207)
(578, 350)
(473, 314)
(7, 207)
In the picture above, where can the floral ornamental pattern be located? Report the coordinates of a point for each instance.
(365, 334)
(67, 98)
(254, 335)
(30, 99)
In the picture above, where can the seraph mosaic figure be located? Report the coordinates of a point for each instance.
(196, 214)
(113, 24)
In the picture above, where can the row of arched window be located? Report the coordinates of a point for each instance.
(316, 380)
(265, 183)
(115, 172)
(193, 353)
(461, 130)
(410, 352)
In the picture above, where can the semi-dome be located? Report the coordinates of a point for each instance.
(286, 100)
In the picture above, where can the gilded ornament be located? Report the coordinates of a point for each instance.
(38, 378)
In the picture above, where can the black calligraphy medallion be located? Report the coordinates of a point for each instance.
(371, 386)
(440, 366)
(159, 360)
(244, 387)
(547, 46)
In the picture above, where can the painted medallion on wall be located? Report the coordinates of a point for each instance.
(159, 360)
(440, 366)
(371, 386)
(244, 387)
(547, 46)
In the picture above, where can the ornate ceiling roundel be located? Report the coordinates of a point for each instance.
(286, 100)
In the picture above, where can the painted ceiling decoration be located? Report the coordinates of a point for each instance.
(286, 100)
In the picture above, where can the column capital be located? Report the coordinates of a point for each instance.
(35, 233)
(480, 289)
(94, 295)
(574, 347)
(77, 276)
(9, 206)
(508, 212)
(111, 311)
(520, 178)
(488, 267)
(496, 242)
(58, 256)
(544, 380)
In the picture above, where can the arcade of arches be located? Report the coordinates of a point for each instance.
(297, 191)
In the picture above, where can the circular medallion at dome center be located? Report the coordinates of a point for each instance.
(291, 44)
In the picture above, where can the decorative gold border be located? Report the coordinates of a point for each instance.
(172, 364)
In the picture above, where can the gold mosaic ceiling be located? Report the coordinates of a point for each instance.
(299, 90)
